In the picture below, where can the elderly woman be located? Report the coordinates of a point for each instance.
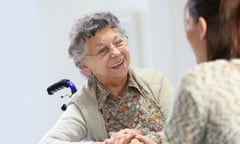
(117, 100)
(207, 109)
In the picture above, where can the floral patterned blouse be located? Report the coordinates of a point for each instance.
(134, 110)
(207, 109)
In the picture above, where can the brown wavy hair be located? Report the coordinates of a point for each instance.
(223, 26)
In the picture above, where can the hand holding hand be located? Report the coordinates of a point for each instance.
(122, 137)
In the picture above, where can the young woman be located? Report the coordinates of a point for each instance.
(207, 108)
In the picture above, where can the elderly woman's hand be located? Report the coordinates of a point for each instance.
(122, 137)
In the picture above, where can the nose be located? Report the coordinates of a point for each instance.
(114, 50)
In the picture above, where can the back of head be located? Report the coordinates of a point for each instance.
(86, 27)
(223, 26)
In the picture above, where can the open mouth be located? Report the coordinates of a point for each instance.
(117, 64)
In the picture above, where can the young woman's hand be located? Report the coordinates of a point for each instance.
(143, 140)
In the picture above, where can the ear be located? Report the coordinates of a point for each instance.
(202, 27)
(84, 68)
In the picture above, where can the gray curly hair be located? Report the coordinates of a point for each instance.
(85, 28)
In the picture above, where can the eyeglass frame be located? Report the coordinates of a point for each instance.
(105, 50)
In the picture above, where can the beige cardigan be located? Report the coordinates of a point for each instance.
(83, 123)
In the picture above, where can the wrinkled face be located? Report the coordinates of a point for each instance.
(107, 56)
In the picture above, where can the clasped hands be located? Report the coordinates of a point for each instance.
(128, 136)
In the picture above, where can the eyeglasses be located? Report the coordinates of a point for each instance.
(103, 50)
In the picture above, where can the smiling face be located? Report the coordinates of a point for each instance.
(106, 56)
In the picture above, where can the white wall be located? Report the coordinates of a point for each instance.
(33, 54)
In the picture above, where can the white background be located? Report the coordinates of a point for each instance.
(33, 42)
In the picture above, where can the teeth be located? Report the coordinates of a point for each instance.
(116, 64)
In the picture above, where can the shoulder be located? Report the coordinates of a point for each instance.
(151, 79)
(211, 78)
(199, 85)
(207, 72)
(147, 74)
